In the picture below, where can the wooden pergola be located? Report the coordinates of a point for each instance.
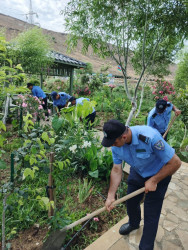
(63, 66)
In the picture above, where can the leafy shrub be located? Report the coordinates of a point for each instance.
(163, 90)
(181, 74)
(56, 85)
(182, 103)
(96, 82)
(84, 91)
(31, 104)
(84, 190)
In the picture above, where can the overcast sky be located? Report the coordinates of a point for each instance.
(48, 12)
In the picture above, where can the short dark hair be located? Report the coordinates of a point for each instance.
(29, 84)
(72, 99)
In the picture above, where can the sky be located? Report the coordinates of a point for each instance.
(48, 12)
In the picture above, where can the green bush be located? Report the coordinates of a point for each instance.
(181, 79)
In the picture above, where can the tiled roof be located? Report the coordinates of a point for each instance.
(60, 58)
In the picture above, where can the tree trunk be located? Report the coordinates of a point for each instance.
(134, 107)
(141, 99)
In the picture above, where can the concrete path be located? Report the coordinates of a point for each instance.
(173, 226)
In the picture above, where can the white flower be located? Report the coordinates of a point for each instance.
(73, 148)
(86, 144)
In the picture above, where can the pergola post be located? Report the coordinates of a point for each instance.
(71, 81)
(41, 80)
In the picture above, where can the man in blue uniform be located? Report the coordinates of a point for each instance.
(152, 163)
(60, 99)
(38, 92)
(160, 115)
(89, 118)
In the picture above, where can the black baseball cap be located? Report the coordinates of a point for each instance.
(54, 94)
(161, 106)
(112, 129)
(72, 99)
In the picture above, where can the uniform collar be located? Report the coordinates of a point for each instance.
(134, 137)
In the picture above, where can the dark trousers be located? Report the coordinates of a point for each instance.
(152, 208)
(60, 107)
(90, 118)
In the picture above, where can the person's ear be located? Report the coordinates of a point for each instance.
(124, 136)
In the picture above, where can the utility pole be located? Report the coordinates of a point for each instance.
(30, 14)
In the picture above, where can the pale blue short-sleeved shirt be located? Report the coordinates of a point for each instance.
(38, 92)
(80, 101)
(148, 157)
(64, 97)
(160, 121)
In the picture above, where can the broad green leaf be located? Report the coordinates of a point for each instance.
(45, 136)
(94, 174)
(28, 172)
(2, 126)
(32, 160)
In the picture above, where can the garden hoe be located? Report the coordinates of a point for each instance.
(55, 240)
(170, 125)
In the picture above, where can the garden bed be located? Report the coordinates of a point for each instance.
(33, 237)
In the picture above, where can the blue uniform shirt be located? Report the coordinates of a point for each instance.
(160, 121)
(80, 101)
(38, 92)
(64, 97)
(148, 157)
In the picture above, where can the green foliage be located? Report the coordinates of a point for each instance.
(181, 79)
(13, 145)
(31, 48)
(57, 85)
(45, 137)
(59, 220)
(154, 29)
(28, 122)
(2, 126)
(9, 73)
(97, 82)
(85, 109)
(163, 90)
(14, 90)
(84, 190)
(63, 164)
(182, 103)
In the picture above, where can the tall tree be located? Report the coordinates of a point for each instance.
(32, 49)
(128, 28)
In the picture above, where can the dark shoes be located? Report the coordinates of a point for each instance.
(126, 229)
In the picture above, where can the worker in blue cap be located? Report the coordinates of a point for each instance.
(38, 92)
(60, 100)
(152, 162)
(160, 115)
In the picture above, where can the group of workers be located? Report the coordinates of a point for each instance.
(61, 100)
(153, 161)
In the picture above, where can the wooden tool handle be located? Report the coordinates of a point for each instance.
(97, 212)
(169, 126)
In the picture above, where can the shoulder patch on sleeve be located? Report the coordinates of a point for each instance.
(144, 138)
(159, 145)
(154, 115)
